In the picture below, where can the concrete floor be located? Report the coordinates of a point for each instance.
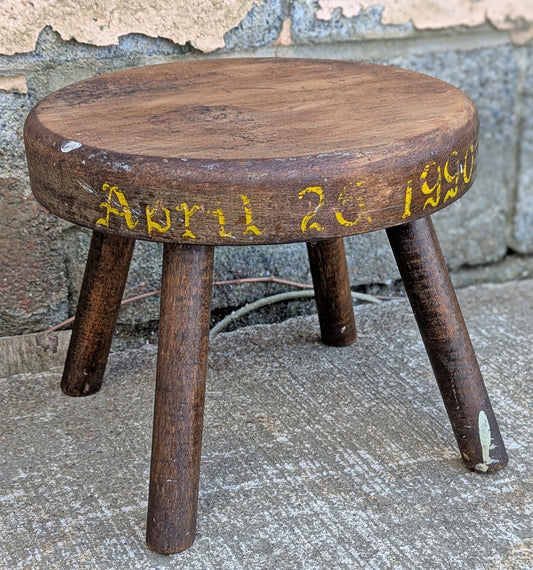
(314, 457)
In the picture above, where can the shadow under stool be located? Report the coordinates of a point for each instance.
(255, 151)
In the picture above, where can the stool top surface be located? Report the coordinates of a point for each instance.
(251, 150)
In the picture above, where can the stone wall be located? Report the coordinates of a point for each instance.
(482, 47)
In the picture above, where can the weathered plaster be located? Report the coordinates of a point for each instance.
(13, 84)
(285, 38)
(513, 15)
(201, 22)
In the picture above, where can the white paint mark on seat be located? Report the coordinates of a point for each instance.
(69, 146)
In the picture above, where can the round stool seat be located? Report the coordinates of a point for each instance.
(255, 151)
(251, 151)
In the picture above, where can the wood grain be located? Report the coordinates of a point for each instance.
(251, 151)
(101, 292)
(448, 345)
(333, 296)
(179, 396)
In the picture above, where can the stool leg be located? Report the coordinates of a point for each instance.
(103, 284)
(179, 396)
(333, 297)
(448, 345)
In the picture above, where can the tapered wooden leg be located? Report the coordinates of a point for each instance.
(448, 345)
(103, 284)
(332, 291)
(179, 397)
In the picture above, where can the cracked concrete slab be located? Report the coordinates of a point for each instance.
(314, 457)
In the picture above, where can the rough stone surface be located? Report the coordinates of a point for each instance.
(522, 223)
(512, 267)
(33, 286)
(262, 25)
(313, 457)
(13, 110)
(306, 27)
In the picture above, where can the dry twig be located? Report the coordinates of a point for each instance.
(309, 292)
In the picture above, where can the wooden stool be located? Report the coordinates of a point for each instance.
(255, 151)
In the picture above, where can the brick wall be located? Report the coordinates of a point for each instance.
(482, 47)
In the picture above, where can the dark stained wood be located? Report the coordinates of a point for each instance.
(179, 396)
(255, 151)
(251, 151)
(448, 345)
(332, 291)
(96, 314)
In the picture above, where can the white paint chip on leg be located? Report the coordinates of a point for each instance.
(485, 438)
